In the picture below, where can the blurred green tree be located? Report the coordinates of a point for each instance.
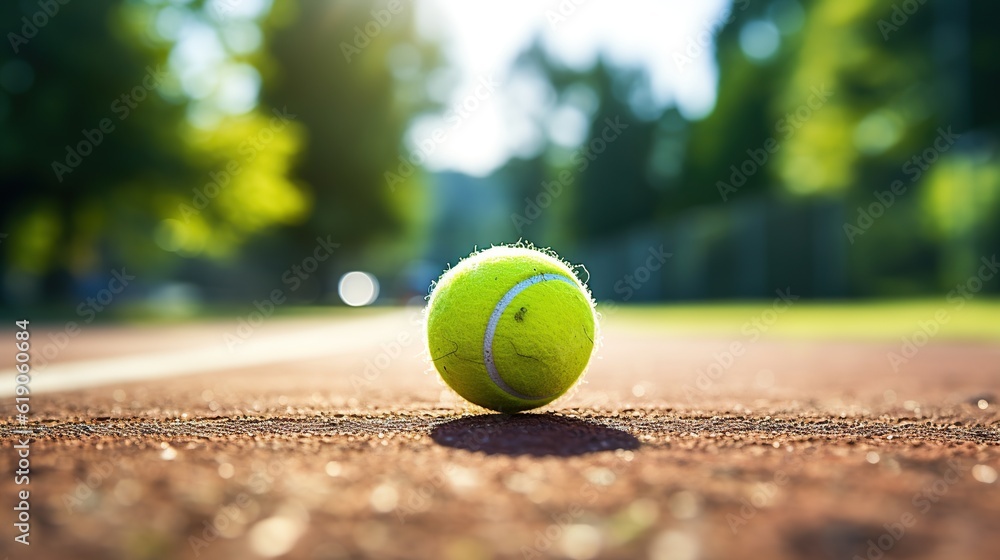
(609, 182)
(355, 73)
(104, 165)
(132, 135)
(64, 173)
(822, 107)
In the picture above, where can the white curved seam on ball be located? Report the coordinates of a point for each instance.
(491, 328)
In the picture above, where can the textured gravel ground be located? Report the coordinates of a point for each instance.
(790, 449)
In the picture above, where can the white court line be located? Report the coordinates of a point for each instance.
(260, 349)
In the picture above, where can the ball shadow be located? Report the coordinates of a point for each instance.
(538, 435)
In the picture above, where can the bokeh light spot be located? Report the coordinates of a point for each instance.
(358, 289)
(759, 40)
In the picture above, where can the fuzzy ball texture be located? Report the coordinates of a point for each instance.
(511, 328)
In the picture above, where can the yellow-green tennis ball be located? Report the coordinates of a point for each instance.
(510, 328)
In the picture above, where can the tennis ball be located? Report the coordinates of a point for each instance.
(510, 328)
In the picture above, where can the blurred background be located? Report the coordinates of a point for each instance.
(184, 154)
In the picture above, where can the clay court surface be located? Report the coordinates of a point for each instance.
(328, 437)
